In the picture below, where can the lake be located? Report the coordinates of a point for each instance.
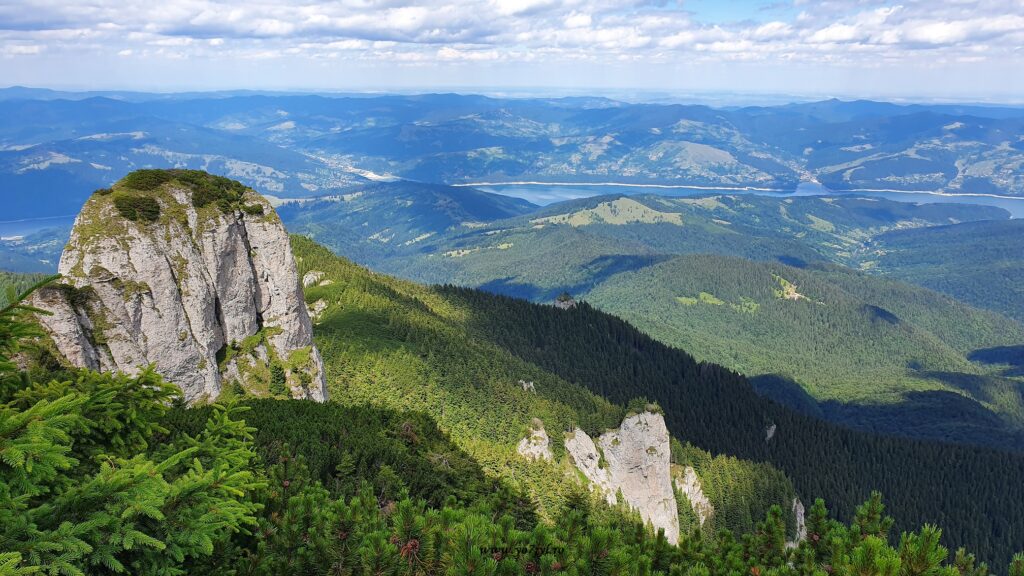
(544, 194)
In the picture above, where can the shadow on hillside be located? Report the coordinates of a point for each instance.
(508, 286)
(933, 415)
(984, 388)
(787, 392)
(1010, 356)
(792, 261)
(597, 271)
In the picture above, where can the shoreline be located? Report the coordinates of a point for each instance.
(624, 185)
(826, 192)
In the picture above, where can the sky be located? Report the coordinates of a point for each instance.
(927, 50)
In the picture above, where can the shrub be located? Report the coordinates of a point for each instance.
(278, 380)
(102, 191)
(253, 209)
(207, 189)
(137, 207)
(150, 179)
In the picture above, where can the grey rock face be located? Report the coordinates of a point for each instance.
(584, 454)
(536, 446)
(632, 461)
(205, 296)
(801, 524)
(689, 484)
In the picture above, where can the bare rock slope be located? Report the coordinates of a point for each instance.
(633, 460)
(189, 272)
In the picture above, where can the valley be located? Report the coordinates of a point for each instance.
(708, 274)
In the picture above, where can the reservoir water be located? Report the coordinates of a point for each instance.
(543, 194)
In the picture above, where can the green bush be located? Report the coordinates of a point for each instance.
(150, 179)
(137, 207)
(208, 189)
(253, 209)
(102, 191)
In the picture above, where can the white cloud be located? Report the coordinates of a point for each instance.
(21, 49)
(578, 20)
(448, 53)
(852, 33)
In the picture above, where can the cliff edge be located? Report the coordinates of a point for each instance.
(192, 273)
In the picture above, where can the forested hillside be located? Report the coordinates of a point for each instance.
(750, 282)
(123, 483)
(403, 346)
(900, 353)
(976, 262)
(968, 490)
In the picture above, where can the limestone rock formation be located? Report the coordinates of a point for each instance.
(588, 460)
(689, 484)
(633, 461)
(536, 446)
(801, 524)
(316, 309)
(191, 273)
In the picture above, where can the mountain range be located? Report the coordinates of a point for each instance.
(460, 429)
(59, 147)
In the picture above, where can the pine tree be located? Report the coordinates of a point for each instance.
(83, 491)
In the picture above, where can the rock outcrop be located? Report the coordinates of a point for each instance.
(633, 461)
(191, 273)
(536, 446)
(689, 484)
(801, 524)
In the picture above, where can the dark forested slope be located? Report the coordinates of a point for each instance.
(973, 492)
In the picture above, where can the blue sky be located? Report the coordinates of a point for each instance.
(939, 49)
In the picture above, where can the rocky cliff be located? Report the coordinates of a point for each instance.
(191, 273)
(536, 445)
(690, 485)
(634, 461)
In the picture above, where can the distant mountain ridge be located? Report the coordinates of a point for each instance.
(299, 145)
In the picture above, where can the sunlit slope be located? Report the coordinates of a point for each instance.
(842, 336)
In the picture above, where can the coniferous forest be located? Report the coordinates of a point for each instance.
(109, 474)
(718, 410)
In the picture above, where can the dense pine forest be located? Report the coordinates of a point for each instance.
(976, 262)
(899, 353)
(109, 474)
(784, 290)
(975, 492)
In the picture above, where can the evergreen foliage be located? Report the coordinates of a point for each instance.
(718, 410)
(109, 474)
(82, 490)
(137, 207)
